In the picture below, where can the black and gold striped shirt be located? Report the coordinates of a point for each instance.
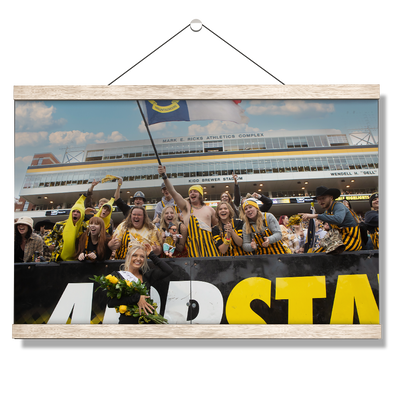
(234, 249)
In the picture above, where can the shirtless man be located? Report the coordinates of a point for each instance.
(198, 217)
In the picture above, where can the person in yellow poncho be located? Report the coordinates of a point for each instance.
(61, 240)
(104, 213)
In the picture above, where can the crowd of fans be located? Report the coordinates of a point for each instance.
(184, 226)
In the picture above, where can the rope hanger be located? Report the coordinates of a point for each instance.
(196, 26)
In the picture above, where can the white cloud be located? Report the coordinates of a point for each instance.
(219, 127)
(114, 137)
(288, 107)
(27, 160)
(35, 116)
(74, 137)
(29, 138)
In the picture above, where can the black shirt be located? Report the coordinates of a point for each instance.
(92, 248)
(153, 275)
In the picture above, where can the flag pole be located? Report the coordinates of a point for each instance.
(310, 244)
(313, 231)
(148, 131)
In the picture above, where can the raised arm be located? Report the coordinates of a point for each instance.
(162, 271)
(117, 193)
(179, 200)
(267, 202)
(236, 191)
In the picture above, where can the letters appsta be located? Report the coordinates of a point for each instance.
(352, 291)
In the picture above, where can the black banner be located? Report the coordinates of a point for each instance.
(272, 289)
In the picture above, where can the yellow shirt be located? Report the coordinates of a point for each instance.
(132, 235)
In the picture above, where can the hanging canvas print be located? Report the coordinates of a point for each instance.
(227, 212)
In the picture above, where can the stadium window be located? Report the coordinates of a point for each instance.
(275, 143)
(35, 182)
(337, 163)
(42, 181)
(255, 144)
(281, 166)
(268, 166)
(364, 163)
(213, 146)
(317, 140)
(310, 141)
(27, 183)
(256, 167)
(319, 164)
(94, 155)
(357, 162)
(293, 166)
(79, 179)
(369, 161)
(173, 171)
(324, 141)
(262, 166)
(137, 152)
(178, 148)
(303, 141)
(249, 167)
(337, 140)
(192, 169)
(344, 163)
(58, 180)
(296, 142)
(185, 148)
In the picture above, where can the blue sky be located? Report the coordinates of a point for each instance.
(50, 126)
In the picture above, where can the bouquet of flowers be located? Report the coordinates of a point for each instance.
(121, 287)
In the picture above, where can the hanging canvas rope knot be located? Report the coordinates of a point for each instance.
(196, 26)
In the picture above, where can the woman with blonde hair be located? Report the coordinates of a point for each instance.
(169, 215)
(261, 232)
(136, 269)
(227, 233)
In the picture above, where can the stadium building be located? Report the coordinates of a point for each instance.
(287, 168)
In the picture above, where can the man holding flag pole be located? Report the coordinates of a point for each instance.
(198, 217)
